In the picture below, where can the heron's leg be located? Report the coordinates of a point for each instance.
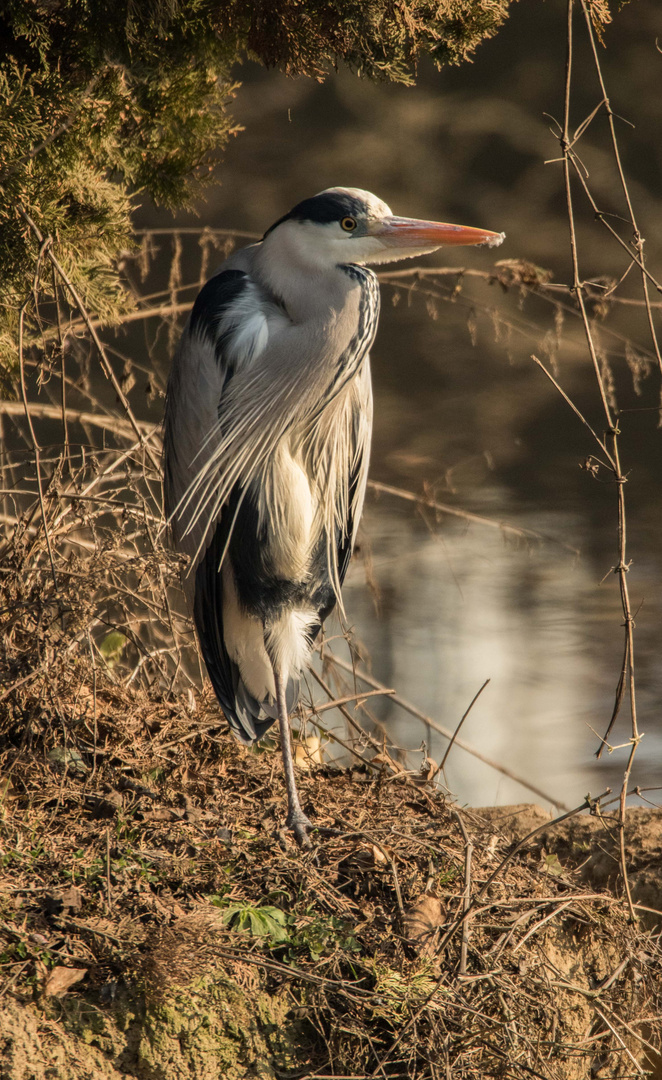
(296, 819)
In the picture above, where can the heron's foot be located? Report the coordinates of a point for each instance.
(300, 826)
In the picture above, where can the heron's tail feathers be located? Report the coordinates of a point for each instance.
(286, 649)
(250, 719)
(240, 653)
(249, 706)
(288, 641)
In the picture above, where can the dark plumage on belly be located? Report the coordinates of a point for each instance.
(262, 592)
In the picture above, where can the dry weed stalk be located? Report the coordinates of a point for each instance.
(609, 447)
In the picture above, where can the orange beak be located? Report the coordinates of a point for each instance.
(410, 232)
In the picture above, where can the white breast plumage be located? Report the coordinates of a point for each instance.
(246, 324)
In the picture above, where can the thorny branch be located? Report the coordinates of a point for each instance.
(637, 237)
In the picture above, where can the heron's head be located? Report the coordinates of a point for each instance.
(348, 225)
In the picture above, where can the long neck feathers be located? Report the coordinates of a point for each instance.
(306, 384)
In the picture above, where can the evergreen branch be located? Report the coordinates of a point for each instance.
(60, 130)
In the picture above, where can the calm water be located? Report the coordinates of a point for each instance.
(460, 407)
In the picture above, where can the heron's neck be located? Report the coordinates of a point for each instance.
(309, 292)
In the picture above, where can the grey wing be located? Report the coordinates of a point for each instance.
(200, 374)
(247, 717)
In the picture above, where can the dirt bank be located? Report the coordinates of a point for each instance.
(157, 922)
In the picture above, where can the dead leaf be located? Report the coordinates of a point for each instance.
(61, 979)
(421, 923)
(367, 857)
(490, 850)
(7, 790)
(429, 770)
(63, 901)
(379, 856)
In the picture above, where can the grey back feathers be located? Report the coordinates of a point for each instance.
(266, 444)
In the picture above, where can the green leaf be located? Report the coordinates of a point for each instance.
(112, 647)
(68, 759)
(264, 922)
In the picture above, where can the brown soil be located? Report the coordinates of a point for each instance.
(591, 847)
(206, 944)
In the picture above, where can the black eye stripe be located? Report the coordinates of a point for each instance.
(323, 209)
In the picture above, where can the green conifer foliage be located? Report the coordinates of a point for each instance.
(100, 104)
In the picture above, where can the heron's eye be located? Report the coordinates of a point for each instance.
(348, 224)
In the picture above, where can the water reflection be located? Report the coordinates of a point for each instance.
(463, 607)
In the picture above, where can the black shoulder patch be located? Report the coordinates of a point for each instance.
(323, 209)
(213, 300)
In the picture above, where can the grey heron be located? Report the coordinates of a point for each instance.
(266, 443)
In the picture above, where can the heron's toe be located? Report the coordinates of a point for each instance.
(300, 826)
